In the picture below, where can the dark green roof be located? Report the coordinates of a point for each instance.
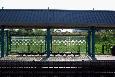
(42, 18)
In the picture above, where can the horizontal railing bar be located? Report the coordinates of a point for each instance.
(52, 35)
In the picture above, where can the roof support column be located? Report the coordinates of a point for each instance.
(45, 42)
(2, 42)
(48, 42)
(51, 42)
(10, 41)
(93, 43)
(7, 43)
(89, 42)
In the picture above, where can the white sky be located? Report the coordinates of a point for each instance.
(59, 4)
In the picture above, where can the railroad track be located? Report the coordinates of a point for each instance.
(65, 69)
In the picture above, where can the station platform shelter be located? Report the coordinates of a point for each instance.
(90, 20)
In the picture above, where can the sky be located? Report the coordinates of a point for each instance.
(59, 4)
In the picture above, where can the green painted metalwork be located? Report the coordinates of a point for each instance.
(65, 44)
(28, 44)
(2, 42)
(48, 41)
(7, 43)
(86, 44)
(58, 44)
(89, 42)
(93, 43)
(51, 42)
(45, 43)
(10, 41)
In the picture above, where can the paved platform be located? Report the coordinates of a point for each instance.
(43, 58)
(105, 57)
(57, 58)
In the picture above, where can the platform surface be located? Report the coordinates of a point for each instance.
(105, 57)
(57, 58)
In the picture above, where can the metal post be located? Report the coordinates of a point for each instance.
(93, 43)
(10, 41)
(2, 42)
(86, 44)
(45, 42)
(89, 42)
(103, 49)
(48, 41)
(7, 43)
(78, 48)
(51, 42)
(28, 45)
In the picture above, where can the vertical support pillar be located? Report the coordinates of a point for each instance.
(10, 41)
(51, 42)
(7, 43)
(48, 41)
(93, 43)
(2, 42)
(103, 49)
(89, 42)
(86, 44)
(45, 42)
